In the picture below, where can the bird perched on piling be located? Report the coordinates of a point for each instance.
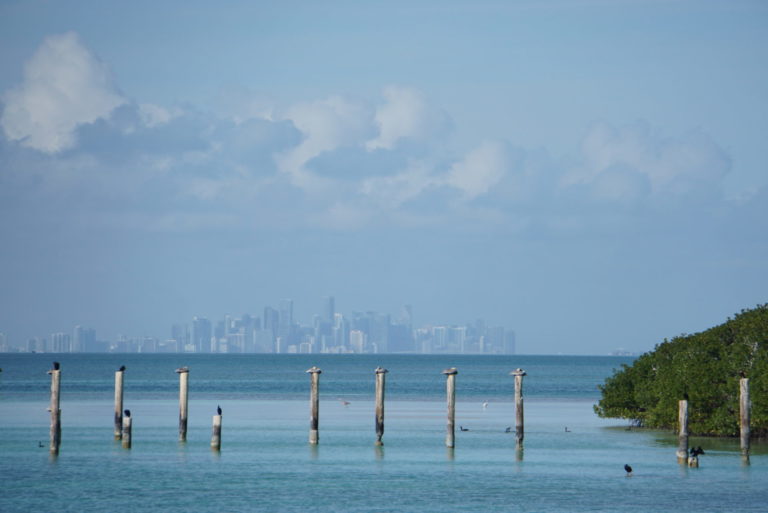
(122, 368)
(696, 451)
(127, 413)
(218, 409)
(56, 366)
(182, 369)
(628, 469)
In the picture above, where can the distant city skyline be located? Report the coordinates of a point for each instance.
(277, 331)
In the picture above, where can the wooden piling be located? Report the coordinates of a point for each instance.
(183, 401)
(55, 409)
(126, 434)
(682, 437)
(380, 383)
(744, 417)
(314, 436)
(216, 434)
(519, 412)
(450, 389)
(119, 403)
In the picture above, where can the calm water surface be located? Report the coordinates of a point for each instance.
(266, 464)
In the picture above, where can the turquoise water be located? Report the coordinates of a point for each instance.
(266, 464)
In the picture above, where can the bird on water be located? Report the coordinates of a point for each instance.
(628, 469)
(462, 428)
(127, 413)
(508, 430)
(218, 409)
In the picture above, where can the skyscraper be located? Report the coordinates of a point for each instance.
(285, 326)
(328, 309)
(201, 335)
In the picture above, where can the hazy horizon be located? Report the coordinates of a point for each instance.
(589, 174)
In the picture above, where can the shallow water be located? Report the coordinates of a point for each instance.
(266, 463)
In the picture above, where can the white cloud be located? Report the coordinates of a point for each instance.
(405, 114)
(326, 125)
(480, 170)
(392, 191)
(64, 86)
(672, 165)
(155, 115)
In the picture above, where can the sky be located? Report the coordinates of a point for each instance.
(591, 174)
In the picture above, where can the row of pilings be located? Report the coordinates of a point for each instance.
(123, 421)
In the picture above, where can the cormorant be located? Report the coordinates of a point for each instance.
(567, 430)
(462, 428)
(40, 444)
(218, 409)
(628, 469)
(508, 430)
(127, 413)
(56, 366)
(695, 451)
(122, 368)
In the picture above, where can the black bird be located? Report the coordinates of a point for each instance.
(567, 430)
(122, 368)
(628, 469)
(695, 451)
(508, 430)
(40, 444)
(56, 366)
(127, 413)
(218, 409)
(462, 428)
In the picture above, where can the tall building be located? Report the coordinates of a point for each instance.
(285, 326)
(201, 335)
(328, 309)
(60, 342)
(84, 340)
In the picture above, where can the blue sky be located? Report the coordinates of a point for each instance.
(591, 174)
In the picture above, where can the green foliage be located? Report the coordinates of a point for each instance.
(706, 367)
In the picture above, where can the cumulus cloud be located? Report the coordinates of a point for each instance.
(634, 158)
(65, 86)
(405, 115)
(480, 170)
(325, 125)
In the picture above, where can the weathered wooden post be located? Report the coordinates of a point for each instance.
(744, 416)
(314, 373)
(216, 434)
(380, 383)
(519, 413)
(119, 402)
(183, 400)
(126, 433)
(450, 389)
(55, 409)
(682, 437)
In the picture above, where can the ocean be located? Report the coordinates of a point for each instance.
(572, 461)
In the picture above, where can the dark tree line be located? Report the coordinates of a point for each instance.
(705, 368)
